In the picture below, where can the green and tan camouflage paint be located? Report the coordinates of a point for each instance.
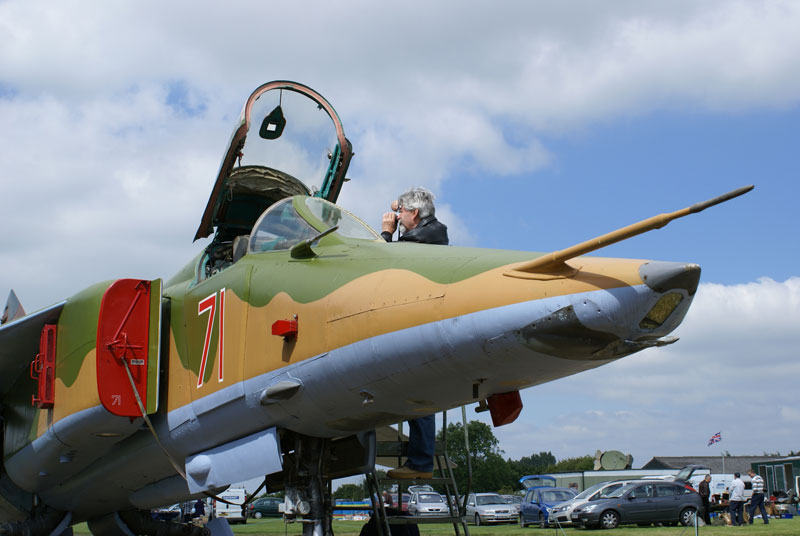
(353, 290)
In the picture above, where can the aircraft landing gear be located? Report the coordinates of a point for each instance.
(43, 523)
(308, 488)
(140, 522)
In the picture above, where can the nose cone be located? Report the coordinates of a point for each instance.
(664, 276)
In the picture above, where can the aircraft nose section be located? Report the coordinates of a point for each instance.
(664, 276)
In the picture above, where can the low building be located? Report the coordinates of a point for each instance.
(779, 474)
(717, 464)
(585, 479)
(661, 466)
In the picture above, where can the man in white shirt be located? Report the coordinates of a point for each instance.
(736, 500)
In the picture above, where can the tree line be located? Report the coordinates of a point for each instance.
(490, 470)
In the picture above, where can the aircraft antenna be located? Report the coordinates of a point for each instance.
(554, 262)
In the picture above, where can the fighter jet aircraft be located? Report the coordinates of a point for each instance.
(291, 337)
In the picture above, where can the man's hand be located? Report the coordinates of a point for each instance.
(389, 222)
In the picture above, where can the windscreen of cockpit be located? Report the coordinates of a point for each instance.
(292, 133)
(280, 227)
(331, 215)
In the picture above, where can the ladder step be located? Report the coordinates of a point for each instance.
(414, 481)
(412, 520)
(398, 448)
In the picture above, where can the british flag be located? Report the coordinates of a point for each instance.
(716, 438)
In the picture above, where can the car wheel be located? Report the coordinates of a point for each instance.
(542, 523)
(257, 515)
(477, 520)
(522, 522)
(687, 516)
(609, 520)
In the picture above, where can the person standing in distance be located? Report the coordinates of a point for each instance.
(415, 214)
(704, 489)
(757, 500)
(736, 500)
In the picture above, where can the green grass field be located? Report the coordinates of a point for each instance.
(276, 527)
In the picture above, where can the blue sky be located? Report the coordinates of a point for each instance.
(537, 124)
(623, 171)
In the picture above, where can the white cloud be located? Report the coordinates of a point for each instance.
(105, 175)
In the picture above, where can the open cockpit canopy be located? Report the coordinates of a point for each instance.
(289, 141)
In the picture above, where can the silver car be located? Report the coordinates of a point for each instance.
(490, 508)
(427, 503)
(513, 500)
(560, 514)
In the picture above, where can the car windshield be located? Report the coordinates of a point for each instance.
(622, 491)
(607, 491)
(430, 498)
(490, 499)
(553, 496)
(585, 494)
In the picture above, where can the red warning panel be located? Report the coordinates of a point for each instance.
(43, 368)
(123, 334)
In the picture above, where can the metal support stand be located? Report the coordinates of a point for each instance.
(446, 479)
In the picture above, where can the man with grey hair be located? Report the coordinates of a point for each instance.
(416, 215)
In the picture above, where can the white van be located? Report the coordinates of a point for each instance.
(721, 482)
(232, 512)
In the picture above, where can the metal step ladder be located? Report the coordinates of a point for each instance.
(442, 465)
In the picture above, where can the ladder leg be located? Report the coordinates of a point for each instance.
(445, 479)
(378, 510)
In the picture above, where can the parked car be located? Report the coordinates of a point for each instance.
(560, 513)
(687, 471)
(406, 498)
(265, 507)
(514, 500)
(427, 503)
(167, 513)
(489, 508)
(536, 505)
(538, 502)
(643, 503)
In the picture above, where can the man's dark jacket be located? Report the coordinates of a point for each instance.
(428, 231)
